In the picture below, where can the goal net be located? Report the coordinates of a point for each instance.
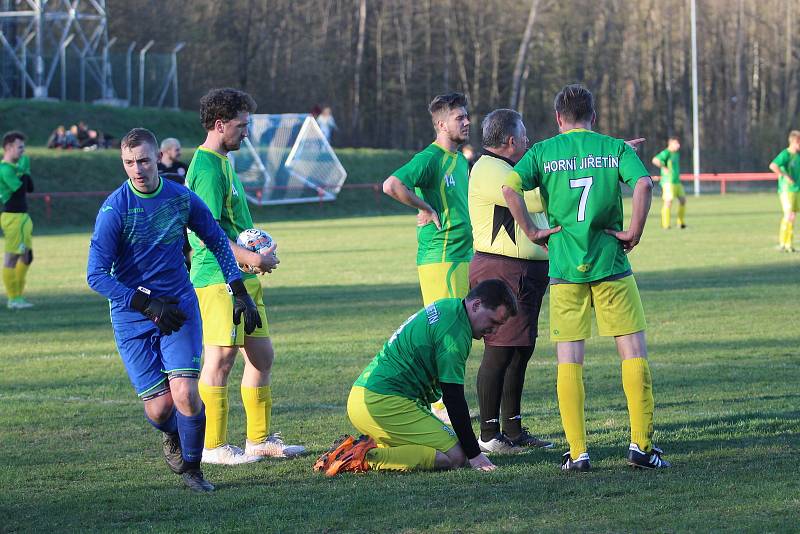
(286, 160)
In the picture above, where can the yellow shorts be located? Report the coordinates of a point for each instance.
(393, 421)
(617, 306)
(216, 309)
(443, 281)
(790, 202)
(671, 191)
(18, 231)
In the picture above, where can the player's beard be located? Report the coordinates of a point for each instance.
(232, 147)
(459, 138)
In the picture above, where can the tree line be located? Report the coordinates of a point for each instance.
(378, 63)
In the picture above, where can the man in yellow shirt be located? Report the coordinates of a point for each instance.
(502, 250)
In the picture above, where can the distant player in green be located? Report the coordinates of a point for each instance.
(436, 182)
(17, 226)
(579, 174)
(424, 359)
(669, 161)
(787, 166)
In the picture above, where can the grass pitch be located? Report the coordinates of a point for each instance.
(721, 305)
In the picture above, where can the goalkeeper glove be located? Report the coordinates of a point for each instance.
(163, 311)
(243, 304)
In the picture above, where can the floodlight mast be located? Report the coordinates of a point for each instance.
(53, 26)
(695, 119)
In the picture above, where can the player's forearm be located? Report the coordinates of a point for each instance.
(396, 189)
(778, 170)
(518, 209)
(220, 247)
(101, 281)
(457, 409)
(642, 198)
(657, 162)
(244, 256)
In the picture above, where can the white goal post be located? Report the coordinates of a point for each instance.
(286, 159)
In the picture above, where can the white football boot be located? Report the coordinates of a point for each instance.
(228, 455)
(273, 447)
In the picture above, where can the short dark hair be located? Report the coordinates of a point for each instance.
(445, 103)
(498, 126)
(673, 138)
(13, 135)
(224, 104)
(574, 103)
(493, 293)
(138, 137)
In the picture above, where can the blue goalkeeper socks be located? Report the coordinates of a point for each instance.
(192, 429)
(170, 426)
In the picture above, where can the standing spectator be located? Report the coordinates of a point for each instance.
(327, 123)
(170, 167)
(15, 183)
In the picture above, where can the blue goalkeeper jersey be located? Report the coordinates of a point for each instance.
(138, 241)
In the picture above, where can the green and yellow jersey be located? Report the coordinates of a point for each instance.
(431, 347)
(440, 178)
(24, 164)
(789, 164)
(670, 167)
(494, 230)
(579, 174)
(10, 179)
(212, 177)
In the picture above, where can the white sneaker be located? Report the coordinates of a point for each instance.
(499, 445)
(18, 303)
(273, 447)
(227, 455)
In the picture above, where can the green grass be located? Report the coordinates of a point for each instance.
(721, 304)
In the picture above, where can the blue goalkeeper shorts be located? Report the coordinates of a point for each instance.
(151, 356)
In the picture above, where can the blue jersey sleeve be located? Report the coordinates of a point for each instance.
(202, 223)
(103, 253)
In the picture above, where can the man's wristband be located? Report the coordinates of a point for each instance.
(237, 287)
(140, 299)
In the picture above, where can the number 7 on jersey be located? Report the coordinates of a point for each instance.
(586, 184)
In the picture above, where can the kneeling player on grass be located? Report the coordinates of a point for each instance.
(424, 359)
(136, 261)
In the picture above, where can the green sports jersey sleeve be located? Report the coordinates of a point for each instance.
(631, 167)
(24, 164)
(204, 180)
(452, 351)
(663, 156)
(9, 180)
(790, 164)
(527, 169)
(417, 172)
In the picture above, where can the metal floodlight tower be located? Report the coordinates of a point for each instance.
(43, 31)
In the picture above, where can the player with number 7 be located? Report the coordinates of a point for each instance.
(579, 173)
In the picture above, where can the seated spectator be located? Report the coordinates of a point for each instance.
(93, 142)
(61, 138)
(170, 167)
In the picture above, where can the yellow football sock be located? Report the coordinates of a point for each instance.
(10, 282)
(216, 400)
(22, 271)
(782, 233)
(681, 214)
(258, 409)
(402, 458)
(665, 216)
(789, 234)
(638, 386)
(571, 397)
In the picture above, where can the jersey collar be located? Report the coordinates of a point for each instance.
(575, 130)
(443, 149)
(147, 195)
(487, 152)
(209, 151)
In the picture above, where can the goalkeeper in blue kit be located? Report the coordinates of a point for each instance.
(136, 261)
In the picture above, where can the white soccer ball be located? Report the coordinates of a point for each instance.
(256, 240)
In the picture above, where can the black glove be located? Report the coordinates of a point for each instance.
(243, 304)
(163, 311)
